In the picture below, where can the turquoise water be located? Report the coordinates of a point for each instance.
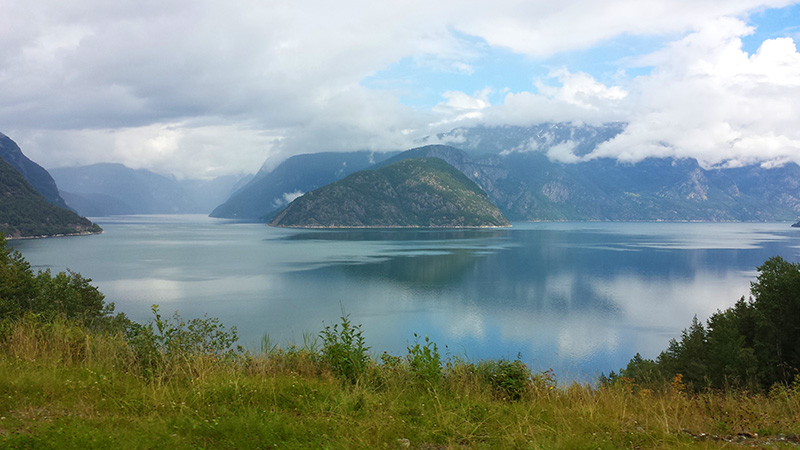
(581, 298)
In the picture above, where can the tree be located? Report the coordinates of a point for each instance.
(776, 298)
(46, 295)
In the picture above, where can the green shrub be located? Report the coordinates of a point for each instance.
(424, 362)
(512, 379)
(165, 341)
(344, 350)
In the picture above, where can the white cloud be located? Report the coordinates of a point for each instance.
(706, 98)
(460, 106)
(286, 198)
(575, 97)
(205, 86)
(563, 152)
(186, 152)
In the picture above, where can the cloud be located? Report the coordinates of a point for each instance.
(575, 97)
(286, 198)
(708, 99)
(198, 86)
(459, 106)
(563, 152)
(186, 152)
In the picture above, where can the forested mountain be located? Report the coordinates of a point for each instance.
(419, 192)
(24, 212)
(271, 190)
(35, 174)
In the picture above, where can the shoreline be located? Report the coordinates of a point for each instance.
(388, 227)
(43, 236)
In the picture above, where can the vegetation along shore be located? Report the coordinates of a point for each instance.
(76, 374)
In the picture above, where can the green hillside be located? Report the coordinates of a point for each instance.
(423, 192)
(24, 212)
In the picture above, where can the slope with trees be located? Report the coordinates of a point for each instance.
(24, 212)
(421, 192)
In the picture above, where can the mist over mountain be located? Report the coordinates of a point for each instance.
(536, 173)
(479, 140)
(111, 189)
(208, 194)
(271, 190)
(35, 174)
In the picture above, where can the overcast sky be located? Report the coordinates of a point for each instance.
(200, 88)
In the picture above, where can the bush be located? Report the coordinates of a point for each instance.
(511, 379)
(163, 342)
(344, 350)
(424, 362)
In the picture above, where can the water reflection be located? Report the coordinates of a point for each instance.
(579, 297)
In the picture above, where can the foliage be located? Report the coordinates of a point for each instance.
(511, 379)
(344, 350)
(166, 341)
(754, 344)
(64, 386)
(424, 362)
(66, 294)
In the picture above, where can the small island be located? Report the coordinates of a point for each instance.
(413, 193)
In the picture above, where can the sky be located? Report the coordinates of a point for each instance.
(203, 88)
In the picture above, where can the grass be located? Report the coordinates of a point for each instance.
(64, 387)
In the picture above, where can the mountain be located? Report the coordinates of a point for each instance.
(110, 189)
(522, 171)
(272, 190)
(24, 212)
(35, 174)
(420, 192)
(528, 186)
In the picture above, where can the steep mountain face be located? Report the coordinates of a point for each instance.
(35, 174)
(420, 192)
(529, 186)
(110, 189)
(270, 191)
(24, 212)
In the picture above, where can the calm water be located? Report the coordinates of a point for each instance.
(581, 298)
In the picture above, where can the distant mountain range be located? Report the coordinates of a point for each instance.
(110, 189)
(24, 209)
(419, 192)
(512, 165)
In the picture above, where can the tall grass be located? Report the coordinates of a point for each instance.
(62, 386)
